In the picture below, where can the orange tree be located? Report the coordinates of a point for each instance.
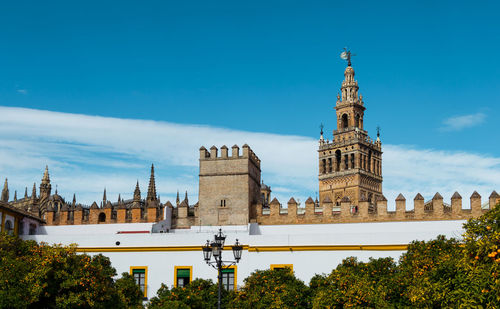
(277, 288)
(429, 273)
(200, 293)
(43, 276)
(480, 262)
(357, 284)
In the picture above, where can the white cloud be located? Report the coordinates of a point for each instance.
(458, 123)
(87, 153)
(22, 91)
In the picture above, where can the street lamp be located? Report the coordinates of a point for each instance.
(214, 249)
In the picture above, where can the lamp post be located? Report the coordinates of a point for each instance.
(215, 248)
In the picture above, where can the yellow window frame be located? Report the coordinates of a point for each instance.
(145, 268)
(280, 266)
(235, 267)
(183, 267)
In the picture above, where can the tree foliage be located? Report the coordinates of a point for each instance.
(42, 276)
(356, 284)
(200, 293)
(277, 288)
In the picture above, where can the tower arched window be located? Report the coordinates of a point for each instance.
(323, 166)
(330, 165)
(346, 162)
(338, 159)
(352, 160)
(356, 120)
(345, 121)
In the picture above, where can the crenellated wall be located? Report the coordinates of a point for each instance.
(327, 212)
(104, 215)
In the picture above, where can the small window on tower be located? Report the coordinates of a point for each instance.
(222, 203)
(345, 122)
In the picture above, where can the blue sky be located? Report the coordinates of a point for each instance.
(429, 73)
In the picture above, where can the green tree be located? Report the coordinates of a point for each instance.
(356, 284)
(429, 273)
(272, 289)
(200, 293)
(129, 292)
(480, 262)
(42, 276)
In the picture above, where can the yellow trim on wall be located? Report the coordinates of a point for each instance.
(183, 267)
(394, 247)
(145, 277)
(279, 266)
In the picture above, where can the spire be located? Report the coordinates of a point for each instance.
(186, 198)
(45, 186)
(137, 192)
(152, 187)
(46, 178)
(26, 193)
(33, 192)
(15, 195)
(5, 191)
(119, 197)
(74, 199)
(177, 200)
(104, 199)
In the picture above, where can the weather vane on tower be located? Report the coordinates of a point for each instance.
(346, 55)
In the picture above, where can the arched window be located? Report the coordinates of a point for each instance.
(346, 162)
(338, 159)
(102, 217)
(323, 167)
(352, 160)
(345, 121)
(356, 119)
(330, 165)
(9, 227)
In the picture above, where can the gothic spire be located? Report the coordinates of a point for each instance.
(46, 178)
(177, 200)
(5, 191)
(104, 199)
(33, 192)
(45, 186)
(15, 195)
(137, 192)
(74, 199)
(186, 198)
(152, 186)
(25, 192)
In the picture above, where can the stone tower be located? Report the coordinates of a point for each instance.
(229, 186)
(350, 165)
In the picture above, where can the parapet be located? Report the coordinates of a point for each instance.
(213, 154)
(326, 212)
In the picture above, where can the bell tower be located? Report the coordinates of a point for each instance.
(350, 165)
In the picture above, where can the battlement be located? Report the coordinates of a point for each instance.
(213, 154)
(356, 137)
(328, 212)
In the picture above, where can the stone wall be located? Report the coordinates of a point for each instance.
(326, 212)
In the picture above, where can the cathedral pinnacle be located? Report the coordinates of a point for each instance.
(5, 192)
(137, 192)
(33, 192)
(46, 178)
(152, 186)
(177, 200)
(104, 198)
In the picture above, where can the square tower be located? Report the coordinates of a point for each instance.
(229, 185)
(351, 164)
